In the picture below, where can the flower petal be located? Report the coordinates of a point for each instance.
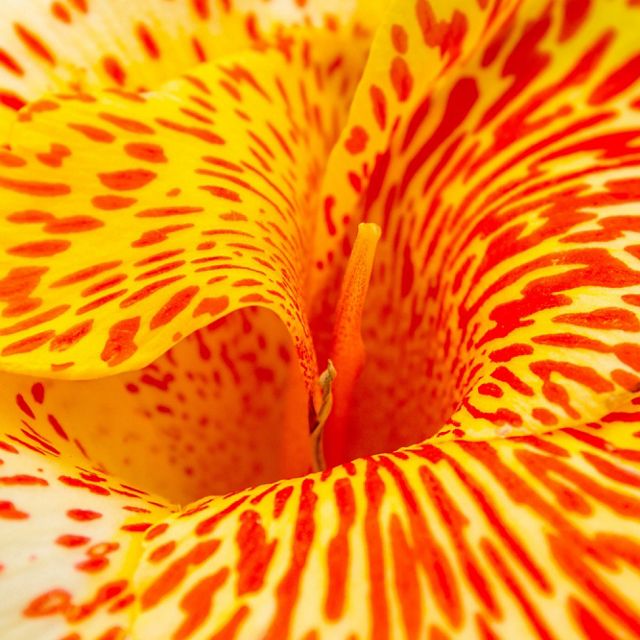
(511, 538)
(131, 221)
(76, 45)
(70, 534)
(504, 177)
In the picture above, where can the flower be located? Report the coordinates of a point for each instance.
(182, 186)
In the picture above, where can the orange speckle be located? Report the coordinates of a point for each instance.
(127, 179)
(120, 345)
(9, 512)
(357, 140)
(401, 78)
(176, 304)
(114, 70)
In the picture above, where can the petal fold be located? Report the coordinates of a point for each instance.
(504, 296)
(131, 220)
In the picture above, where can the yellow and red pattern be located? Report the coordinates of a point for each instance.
(181, 188)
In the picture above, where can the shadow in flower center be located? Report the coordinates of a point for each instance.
(222, 410)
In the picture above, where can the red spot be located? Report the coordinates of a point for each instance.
(148, 42)
(70, 337)
(127, 124)
(357, 140)
(9, 512)
(177, 303)
(83, 515)
(50, 603)
(154, 532)
(379, 105)
(93, 565)
(203, 134)
(280, 501)
(408, 272)
(24, 406)
(575, 13)
(34, 44)
(60, 12)
(11, 100)
(145, 151)
(163, 551)
(606, 318)
(506, 375)
(374, 490)
(255, 553)
(490, 389)
(199, 50)
(212, 306)
(28, 344)
(136, 527)
(73, 224)
(120, 345)
(401, 78)
(440, 33)
(80, 484)
(38, 189)
(544, 416)
(127, 180)
(9, 160)
(197, 603)
(23, 480)
(286, 592)
(201, 7)
(209, 524)
(222, 192)
(338, 550)
(55, 156)
(70, 540)
(86, 274)
(111, 203)
(93, 133)
(8, 62)
(163, 212)
(510, 352)
(588, 620)
(41, 249)
(114, 70)
(399, 38)
(37, 391)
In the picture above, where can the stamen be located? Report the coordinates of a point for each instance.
(347, 349)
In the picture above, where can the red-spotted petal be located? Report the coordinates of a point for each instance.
(512, 538)
(70, 534)
(504, 297)
(130, 221)
(79, 45)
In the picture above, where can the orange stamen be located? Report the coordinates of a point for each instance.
(347, 349)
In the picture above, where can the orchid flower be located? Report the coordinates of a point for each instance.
(319, 319)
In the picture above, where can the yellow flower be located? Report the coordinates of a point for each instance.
(191, 195)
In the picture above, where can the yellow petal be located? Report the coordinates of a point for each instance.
(495, 145)
(512, 538)
(130, 221)
(83, 44)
